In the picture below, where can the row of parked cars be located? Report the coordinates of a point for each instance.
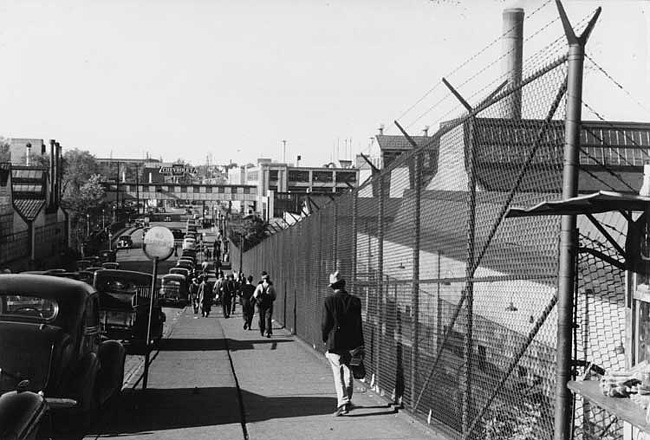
(174, 291)
(64, 336)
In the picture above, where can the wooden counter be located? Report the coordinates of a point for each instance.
(621, 407)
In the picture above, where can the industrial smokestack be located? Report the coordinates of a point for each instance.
(513, 52)
(28, 154)
(381, 129)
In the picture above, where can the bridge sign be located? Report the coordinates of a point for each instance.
(158, 243)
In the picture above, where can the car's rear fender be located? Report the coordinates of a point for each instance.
(21, 414)
(112, 355)
(84, 377)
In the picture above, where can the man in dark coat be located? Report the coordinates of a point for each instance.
(264, 296)
(247, 302)
(342, 332)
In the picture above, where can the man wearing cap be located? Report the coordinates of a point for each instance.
(342, 332)
(264, 296)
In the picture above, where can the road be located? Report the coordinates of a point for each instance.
(135, 259)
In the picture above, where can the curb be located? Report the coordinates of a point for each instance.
(133, 376)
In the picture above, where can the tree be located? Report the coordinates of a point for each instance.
(253, 229)
(89, 199)
(78, 167)
(5, 150)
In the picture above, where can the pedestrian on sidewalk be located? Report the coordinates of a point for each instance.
(226, 295)
(264, 296)
(194, 295)
(247, 301)
(235, 291)
(342, 332)
(206, 298)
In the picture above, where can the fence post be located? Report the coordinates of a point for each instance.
(355, 238)
(380, 273)
(568, 232)
(336, 237)
(469, 272)
(415, 293)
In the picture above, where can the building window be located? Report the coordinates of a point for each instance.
(152, 188)
(221, 189)
(298, 176)
(252, 176)
(196, 189)
(273, 175)
(183, 189)
(322, 177)
(208, 189)
(346, 176)
(247, 190)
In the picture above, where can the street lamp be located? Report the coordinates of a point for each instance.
(103, 219)
(87, 225)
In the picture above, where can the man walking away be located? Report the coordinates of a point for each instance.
(194, 295)
(226, 297)
(247, 302)
(234, 291)
(264, 296)
(342, 332)
(205, 296)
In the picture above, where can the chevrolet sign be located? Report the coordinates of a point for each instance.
(177, 170)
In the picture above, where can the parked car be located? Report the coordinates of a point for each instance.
(124, 300)
(177, 233)
(107, 256)
(84, 263)
(50, 346)
(125, 242)
(181, 271)
(189, 243)
(174, 290)
(110, 265)
(187, 264)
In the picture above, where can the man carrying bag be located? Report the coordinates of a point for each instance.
(343, 333)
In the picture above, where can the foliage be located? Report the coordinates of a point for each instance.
(89, 199)
(5, 151)
(253, 229)
(516, 424)
(78, 167)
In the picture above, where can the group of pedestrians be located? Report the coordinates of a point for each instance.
(341, 324)
(228, 290)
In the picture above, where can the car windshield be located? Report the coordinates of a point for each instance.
(28, 306)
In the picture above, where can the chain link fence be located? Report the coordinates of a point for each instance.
(459, 301)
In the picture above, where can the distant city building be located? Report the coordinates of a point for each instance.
(283, 187)
(23, 149)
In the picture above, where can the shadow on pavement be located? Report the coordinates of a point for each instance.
(216, 344)
(146, 411)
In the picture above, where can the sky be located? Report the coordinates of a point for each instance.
(225, 80)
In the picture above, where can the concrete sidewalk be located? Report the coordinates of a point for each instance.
(212, 379)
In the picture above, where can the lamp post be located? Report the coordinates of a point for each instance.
(103, 219)
(87, 225)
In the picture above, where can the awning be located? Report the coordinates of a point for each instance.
(601, 201)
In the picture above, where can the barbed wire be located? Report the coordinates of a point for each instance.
(618, 130)
(469, 60)
(616, 83)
